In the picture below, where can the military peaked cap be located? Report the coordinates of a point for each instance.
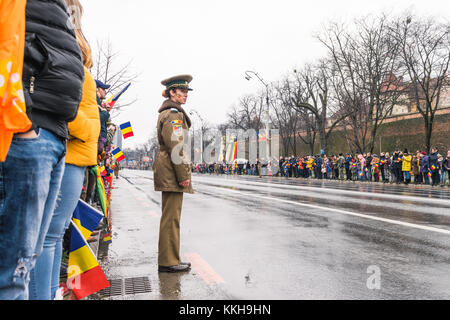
(181, 81)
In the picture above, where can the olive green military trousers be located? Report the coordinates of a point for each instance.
(169, 229)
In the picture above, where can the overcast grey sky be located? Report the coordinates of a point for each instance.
(216, 42)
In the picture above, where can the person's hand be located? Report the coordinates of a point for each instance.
(27, 135)
(184, 183)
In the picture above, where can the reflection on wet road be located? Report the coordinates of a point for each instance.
(276, 238)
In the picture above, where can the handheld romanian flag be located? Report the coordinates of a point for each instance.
(429, 174)
(433, 167)
(84, 275)
(86, 218)
(103, 171)
(118, 154)
(107, 238)
(100, 186)
(112, 101)
(126, 129)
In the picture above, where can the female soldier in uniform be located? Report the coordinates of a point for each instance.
(172, 174)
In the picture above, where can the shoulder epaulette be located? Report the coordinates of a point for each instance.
(174, 110)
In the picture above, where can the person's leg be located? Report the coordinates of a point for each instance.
(29, 183)
(92, 179)
(169, 232)
(85, 184)
(45, 276)
(443, 177)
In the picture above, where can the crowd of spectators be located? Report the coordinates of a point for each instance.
(397, 167)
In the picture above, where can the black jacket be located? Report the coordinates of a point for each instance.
(53, 71)
(104, 117)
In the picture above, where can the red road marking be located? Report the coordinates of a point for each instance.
(203, 269)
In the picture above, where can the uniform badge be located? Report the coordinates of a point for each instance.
(177, 130)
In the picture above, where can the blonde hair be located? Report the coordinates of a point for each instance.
(75, 10)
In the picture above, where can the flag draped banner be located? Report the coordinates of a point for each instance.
(126, 129)
(86, 218)
(84, 276)
(221, 150)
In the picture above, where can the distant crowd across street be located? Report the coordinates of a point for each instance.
(419, 167)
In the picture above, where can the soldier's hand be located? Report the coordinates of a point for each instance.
(185, 183)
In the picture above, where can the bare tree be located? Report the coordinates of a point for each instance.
(247, 114)
(425, 54)
(108, 70)
(364, 64)
(289, 120)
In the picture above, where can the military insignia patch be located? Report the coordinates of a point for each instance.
(174, 122)
(177, 130)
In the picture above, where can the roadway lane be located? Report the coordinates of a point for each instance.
(276, 238)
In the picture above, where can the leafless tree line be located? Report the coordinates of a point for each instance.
(371, 65)
(108, 69)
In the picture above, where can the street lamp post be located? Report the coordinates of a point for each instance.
(267, 117)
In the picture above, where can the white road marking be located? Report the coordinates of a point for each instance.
(350, 192)
(406, 224)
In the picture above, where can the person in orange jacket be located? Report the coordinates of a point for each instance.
(13, 117)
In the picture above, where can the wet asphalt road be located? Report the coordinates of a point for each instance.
(277, 238)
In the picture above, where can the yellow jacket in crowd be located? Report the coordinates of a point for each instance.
(85, 129)
(406, 162)
(309, 163)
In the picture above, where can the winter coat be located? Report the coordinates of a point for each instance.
(433, 161)
(406, 163)
(53, 72)
(415, 163)
(172, 126)
(84, 130)
(104, 117)
(375, 165)
(387, 163)
(424, 164)
(362, 162)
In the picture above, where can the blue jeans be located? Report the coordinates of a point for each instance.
(368, 173)
(443, 177)
(29, 184)
(45, 275)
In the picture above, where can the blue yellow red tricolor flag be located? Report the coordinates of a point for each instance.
(262, 136)
(126, 129)
(86, 218)
(107, 237)
(84, 275)
(118, 154)
(112, 101)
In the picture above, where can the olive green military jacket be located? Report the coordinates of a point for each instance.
(172, 165)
